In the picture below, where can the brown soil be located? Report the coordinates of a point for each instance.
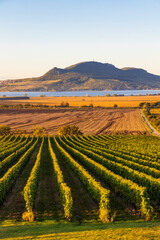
(96, 121)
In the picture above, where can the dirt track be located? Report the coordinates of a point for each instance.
(89, 121)
(153, 130)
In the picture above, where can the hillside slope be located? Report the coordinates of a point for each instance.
(86, 76)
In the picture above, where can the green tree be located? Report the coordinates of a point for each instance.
(74, 130)
(5, 129)
(63, 104)
(146, 105)
(115, 105)
(69, 130)
(39, 131)
(91, 105)
(142, 104)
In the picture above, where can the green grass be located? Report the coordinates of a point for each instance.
(53, 230)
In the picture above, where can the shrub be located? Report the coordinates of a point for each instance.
(39, 131)
(63, 104)
(28, 216)
(4, 130)
(115, 105)
(69, 130)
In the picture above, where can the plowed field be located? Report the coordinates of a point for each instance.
(94, 121)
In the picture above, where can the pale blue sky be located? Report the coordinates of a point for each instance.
(37, 35)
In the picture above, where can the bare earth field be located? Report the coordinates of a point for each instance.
(94, 121)
(121, 101)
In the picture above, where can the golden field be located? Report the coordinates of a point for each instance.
(155, 110)
(121, 101)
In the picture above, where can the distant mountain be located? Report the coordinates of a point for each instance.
(86, 76)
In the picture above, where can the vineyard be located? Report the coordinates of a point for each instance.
(100, 178)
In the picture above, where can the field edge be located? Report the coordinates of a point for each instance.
(51, 229)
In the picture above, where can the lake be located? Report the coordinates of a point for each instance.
(82, 93)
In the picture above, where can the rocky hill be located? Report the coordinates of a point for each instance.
(86, 76)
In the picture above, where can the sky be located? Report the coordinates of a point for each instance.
(37, 35)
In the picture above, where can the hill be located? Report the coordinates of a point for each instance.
(86, 76)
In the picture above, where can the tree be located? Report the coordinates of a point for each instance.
(91, 105)
(39, 131)
(27, 105)
(115, 105)
(74, 130)
(146, 105)
(63, 104)
(5, 129)
(69, 130)
(141, 104)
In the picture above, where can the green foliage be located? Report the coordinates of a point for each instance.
(27, 105)
(14, 152)
(153, 185)
(100, 194)
(69, 130)
(128, 165)
(148, 167)
(152, 118)
(149, 105)
(8, 179)
(90, 105)
(29, 190)
(65, 191)
(64, 104)
(5, 129)
(125, 187)
(14, 140)
(39, 131)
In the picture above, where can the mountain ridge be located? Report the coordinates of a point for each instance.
(89, 75)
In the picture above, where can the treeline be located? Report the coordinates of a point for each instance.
(153, 119)
(65, 130)
(149, 105)
(28, 105)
